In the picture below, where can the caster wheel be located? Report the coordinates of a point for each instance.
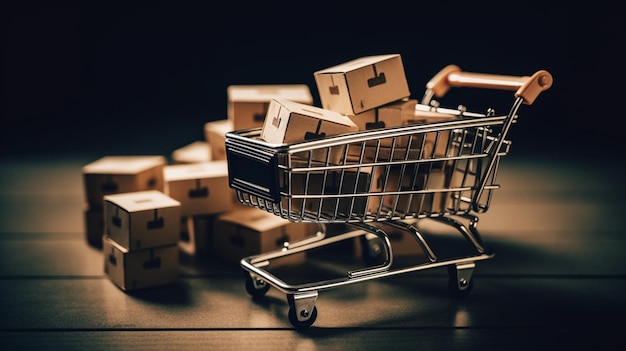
(258, 289)
(454, 288)
(293, 318)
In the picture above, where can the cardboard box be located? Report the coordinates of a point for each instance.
(201, 188)
(215, 134)
(391, 115)
(248, 104)
(320, 184)
(291, 122)
(395, 114)
(140, 269)
(406, 203)
(195, 152)
(143, 219)
(439, 177)
(122, 174)
(441, 138)
(362, 84)
(251, 231)
(373, 153)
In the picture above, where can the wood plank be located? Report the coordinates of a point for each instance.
(221, 303)
(363, 339)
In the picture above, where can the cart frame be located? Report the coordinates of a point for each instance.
(398, 166)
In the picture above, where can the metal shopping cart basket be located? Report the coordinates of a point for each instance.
(443, 170)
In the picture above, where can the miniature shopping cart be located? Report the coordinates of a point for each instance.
(440, 167)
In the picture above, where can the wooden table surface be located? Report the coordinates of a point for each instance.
(557, 280)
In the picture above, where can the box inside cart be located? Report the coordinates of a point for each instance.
(436, 141)
(362, 84)
(373, 152)
(289, 122)
(391, 115)
(430, 178)
(322, 188)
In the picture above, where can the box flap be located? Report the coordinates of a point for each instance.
(254, 219)
(264, 93)
(208, 169)
(356, 63)
(123, 164)
(141, 200)
(317, 112)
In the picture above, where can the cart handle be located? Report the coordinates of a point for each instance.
(528, 88)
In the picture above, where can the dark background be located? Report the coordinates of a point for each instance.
(144, 77)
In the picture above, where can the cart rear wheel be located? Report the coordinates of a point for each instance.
(256, 287)
(458, 287)
(302, 324)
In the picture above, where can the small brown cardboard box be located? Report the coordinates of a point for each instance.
(197, 151)
(408, 181)
(142, 219)
(201, 188)
(374, 153)
(140, 269)
(245, 232)
(247, 104)
(362, 84)
(322, 186)
(442, 140)
(291, 122)
(391, 115)
(215, 134)
(437, 180)
(394, 114)
(122, 174)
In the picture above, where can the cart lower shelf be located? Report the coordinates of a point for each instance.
(378, 255)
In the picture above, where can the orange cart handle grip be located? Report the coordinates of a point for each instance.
(526, 87)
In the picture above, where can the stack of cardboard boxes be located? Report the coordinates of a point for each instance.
(140, 244)
(244, 231)
(203, 192)
(373, 92)
(144, 212)
(363, 94)
(135, 223)
(116, 174)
